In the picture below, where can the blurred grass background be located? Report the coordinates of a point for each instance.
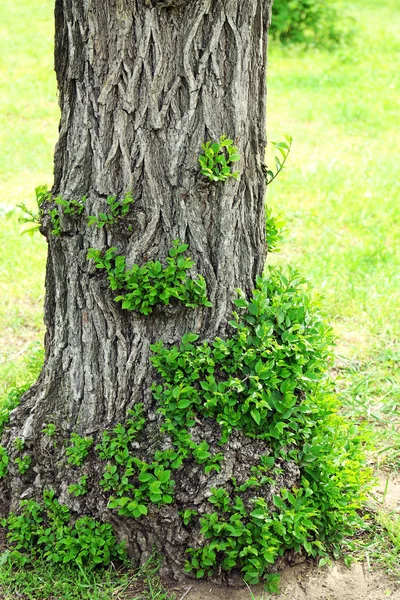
(340, 195)
(28, 132)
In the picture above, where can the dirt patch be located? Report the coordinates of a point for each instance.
(387, 492)
(307, 582)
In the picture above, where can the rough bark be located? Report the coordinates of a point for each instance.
(142, 84)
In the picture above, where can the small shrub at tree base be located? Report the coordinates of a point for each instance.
(267, 380)
(45, 530)
(313, 518)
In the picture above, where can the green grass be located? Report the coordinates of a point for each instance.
(340, 194)
(28, 132)
(61, 582)
(341, 197)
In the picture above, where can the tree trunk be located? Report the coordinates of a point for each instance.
(142, 84)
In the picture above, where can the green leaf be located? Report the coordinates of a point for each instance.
(253, 309)
(164, 476)
(215, 147)
(183, 403)
(256, 416)
(155, 498)
(145, 476)
(225, 142)
(259, 367)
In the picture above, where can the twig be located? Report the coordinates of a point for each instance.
(186, 593)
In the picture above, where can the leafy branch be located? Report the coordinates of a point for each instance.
(284, 149)
(30, 216)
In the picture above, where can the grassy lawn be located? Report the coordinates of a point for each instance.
(28, 132)
(341, 198)
(340, 195)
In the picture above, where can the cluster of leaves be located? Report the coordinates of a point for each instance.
(34, 364)
(313, 518)
(30, 216)
(80, 488)
(132, 481)
(43, 195)
(319, 23)
(254, 379)
(267, 380)
(274, 230)
(118, 210)
(11, 402)
(45, 531)
(4, 460)
(6, 407)
(49, 429)
(78, 449)
(218, 158)
(69, 207)
(142, 287)
(76, 454)
(284, 150)
(23, 463)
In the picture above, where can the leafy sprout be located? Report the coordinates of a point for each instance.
(217, 159)
(284, 150)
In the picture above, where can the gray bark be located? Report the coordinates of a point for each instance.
(142, 83)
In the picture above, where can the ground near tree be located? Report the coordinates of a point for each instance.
(307, 582)
(340, 196)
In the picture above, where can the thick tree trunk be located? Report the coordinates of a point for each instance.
(142, 85)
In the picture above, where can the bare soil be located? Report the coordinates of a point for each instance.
(306, 582)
